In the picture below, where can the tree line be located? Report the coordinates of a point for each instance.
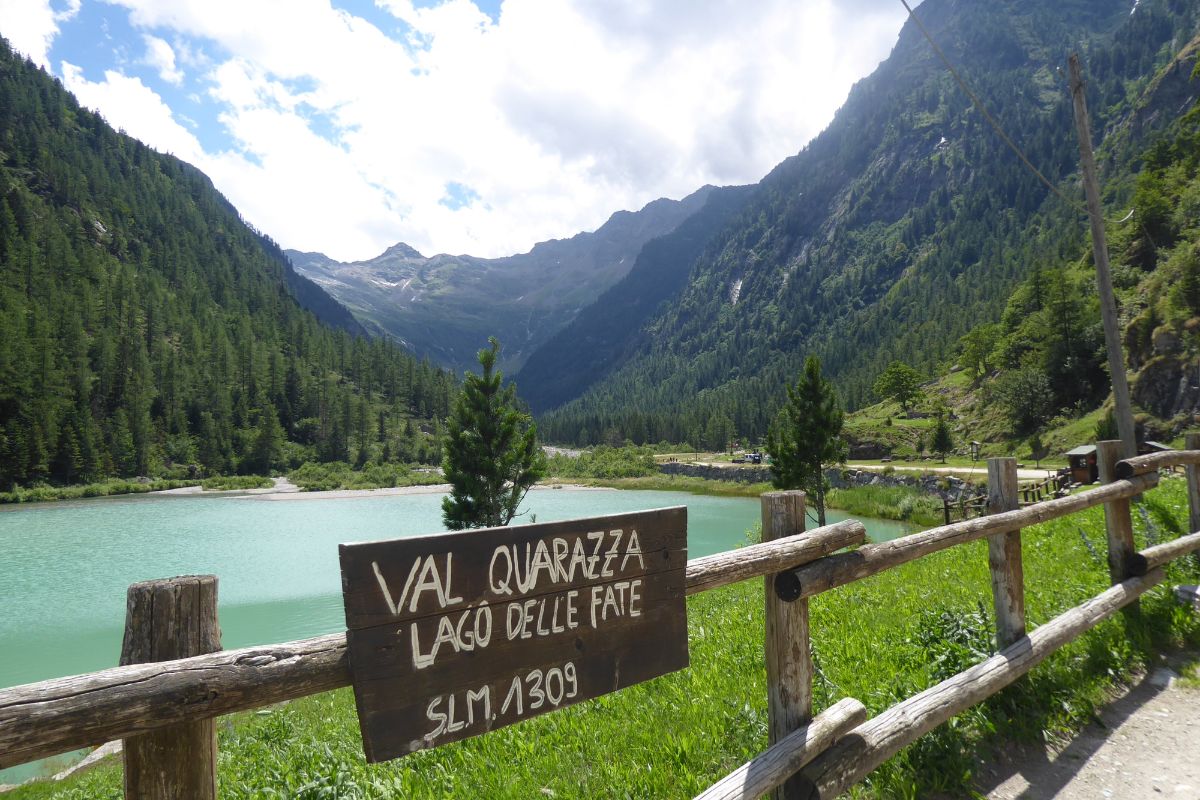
(146, 330)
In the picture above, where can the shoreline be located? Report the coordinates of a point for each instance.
(286, 490)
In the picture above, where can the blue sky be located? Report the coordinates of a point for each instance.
(478, 126)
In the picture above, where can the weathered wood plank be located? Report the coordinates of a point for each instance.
(1004, 555)
(465, 559)
(732, 566)
(1151, 462)
(457, 634)
(863, 749)
(167, 620)
(1192, 473)
(1118, 521)
(768, 770)
(51, 717)
(1152, 557)
(788, 654)
(43, 719)
(842, 568)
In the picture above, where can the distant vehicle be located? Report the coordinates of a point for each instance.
(755, 458)
(739, 459)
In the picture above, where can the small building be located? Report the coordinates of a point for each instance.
(1153, 447)
(1081, 462)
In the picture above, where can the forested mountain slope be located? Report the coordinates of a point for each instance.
(608, 332)
(902, 226)
(145, 329)
(445, 307)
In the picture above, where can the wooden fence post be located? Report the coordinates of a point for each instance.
(166, 620)
(1192, 442)
(789, 660)
(1004, 555)
(1118, 522)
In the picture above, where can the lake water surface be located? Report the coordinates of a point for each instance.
(64, 567)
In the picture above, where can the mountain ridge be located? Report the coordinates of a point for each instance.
(897, 229)
(446, 306)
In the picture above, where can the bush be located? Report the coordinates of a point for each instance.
(605, 462)
(235, 482)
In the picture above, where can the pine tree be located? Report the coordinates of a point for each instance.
(806, 436)
(491, 456)
(942, 441)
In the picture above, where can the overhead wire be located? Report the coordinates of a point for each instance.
(982, 109)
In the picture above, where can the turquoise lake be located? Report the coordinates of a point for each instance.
(66, 566)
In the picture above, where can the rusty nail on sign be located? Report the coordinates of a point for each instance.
(456, 634)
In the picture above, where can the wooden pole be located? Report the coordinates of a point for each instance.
(166, 620)
(875, 741)
(1118, 522)
(1108, 303)
(1192, 442)
(789, 660)
(768, 770)
(1004, 555)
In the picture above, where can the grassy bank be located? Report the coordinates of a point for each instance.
(37, 494)
(679, 483)
(880, 640)
(322, 477)
(236, 482)
(902, 503)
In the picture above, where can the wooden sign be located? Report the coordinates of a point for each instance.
(457, 634)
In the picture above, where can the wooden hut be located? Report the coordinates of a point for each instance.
(1082, 463)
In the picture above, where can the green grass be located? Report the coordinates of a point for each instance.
(231, 482)
(889, 502)
(681, 483)
(320, 477)
(37, 494)
(880, 640)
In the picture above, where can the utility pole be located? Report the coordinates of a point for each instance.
(1108, 304)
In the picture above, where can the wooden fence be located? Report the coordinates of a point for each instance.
(164, 709)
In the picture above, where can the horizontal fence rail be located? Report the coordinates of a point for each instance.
(870, 559)
(44, 719)
(1155, 461)
(809, 757)
(880, 738)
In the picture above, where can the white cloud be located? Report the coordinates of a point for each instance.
(556, 115)
(134, 107)
(161, 56)
(31, 25)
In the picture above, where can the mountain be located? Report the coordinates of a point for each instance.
(609, 331)
(145, 329)
(898, 229)
(445, 307)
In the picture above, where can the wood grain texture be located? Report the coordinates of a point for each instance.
(455, 635)
(722, 569)
(1118, 521)
(870, 744)
(1152, 557)
(768, 770)
(842, 568)
(1004, 555)
(1192, 472)
(788, 653)
(1152, 462)
(51, 717)
(166, 620)
(43, 719)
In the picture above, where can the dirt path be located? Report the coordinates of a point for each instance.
(1147, 747)
(1025, 474)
